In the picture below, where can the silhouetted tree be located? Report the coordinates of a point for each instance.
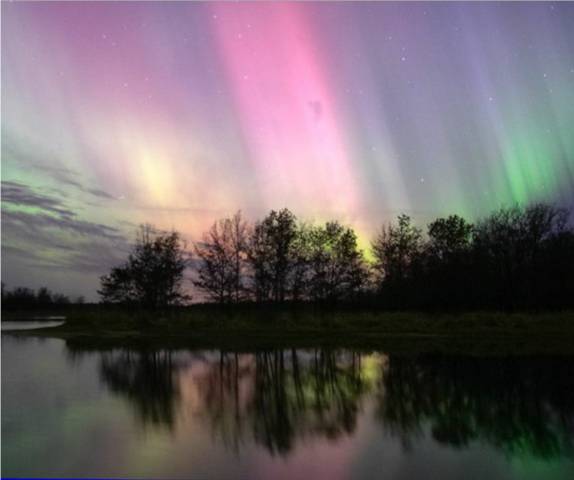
(509, 249)
(395, 249)
(27, 298)
(153, 274)
(444, 277)
(60, 299)
(270, 249)
(519, 257)
(299, 263)
(337, 269)
(44, 296)
(449, 237)
(23, 296)
(555, 287)
(223, 257)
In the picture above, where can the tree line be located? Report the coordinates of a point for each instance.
(24, 298)
(518, 257)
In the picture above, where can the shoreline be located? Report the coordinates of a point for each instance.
(476, 333)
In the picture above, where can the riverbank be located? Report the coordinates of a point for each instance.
(480, 333)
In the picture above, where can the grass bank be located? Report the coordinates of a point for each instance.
(252, 327)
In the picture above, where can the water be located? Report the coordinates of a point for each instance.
(70, 410)
(43, 322)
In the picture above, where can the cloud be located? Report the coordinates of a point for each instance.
(95, 259)
(53, 237)
(60, 242)
(64, 222)
(100, 193)
(21, 195)
(55, 213)
(12, 149)
(27, 256)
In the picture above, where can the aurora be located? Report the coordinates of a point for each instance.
(178, 113)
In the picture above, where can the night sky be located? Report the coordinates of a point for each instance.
(179, 113)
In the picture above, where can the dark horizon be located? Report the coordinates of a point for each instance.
(514, 258)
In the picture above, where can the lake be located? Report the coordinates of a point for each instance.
(45, 322)
(70, 410)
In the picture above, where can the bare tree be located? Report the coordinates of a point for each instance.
(223, 256)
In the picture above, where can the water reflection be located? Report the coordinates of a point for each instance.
(277, 397)
(519, 406)
(148, 379)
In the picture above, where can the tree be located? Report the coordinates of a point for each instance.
(337, 269)
(223, 256)
(445, 278)
(22, 297)
(299, 263)
(511, 252)
(44, 296)
(153, 274)
(60, 299)
(449, 236)
(395, 249)
(270, 248)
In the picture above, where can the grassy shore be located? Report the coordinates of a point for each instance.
(248, 327)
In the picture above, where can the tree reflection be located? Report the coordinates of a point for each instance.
(520, 406)
(147, 379)
(278, 396)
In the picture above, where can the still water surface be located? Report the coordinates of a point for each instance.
(46, 322)
(76, 411)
